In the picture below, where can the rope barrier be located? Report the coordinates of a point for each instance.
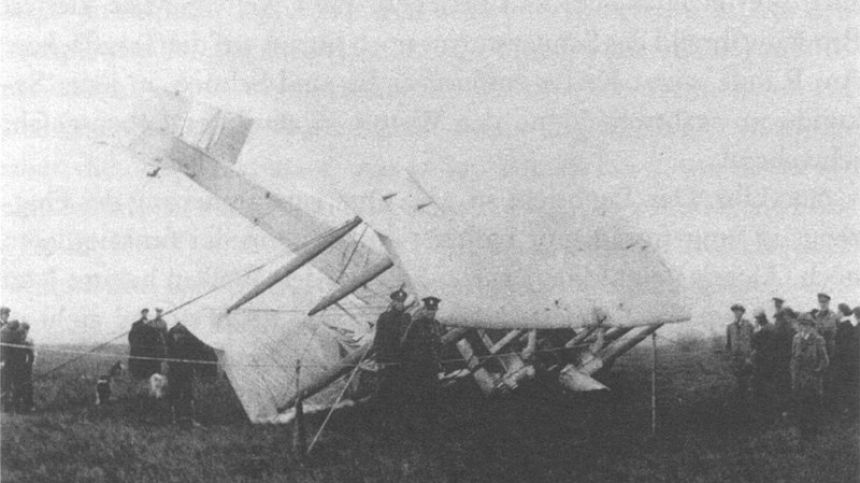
(174, 309)
(321, 366)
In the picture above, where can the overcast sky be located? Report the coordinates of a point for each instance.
(727, 132)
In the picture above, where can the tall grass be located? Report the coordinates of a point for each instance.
(537, 434)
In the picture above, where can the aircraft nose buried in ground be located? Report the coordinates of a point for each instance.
(561, 288)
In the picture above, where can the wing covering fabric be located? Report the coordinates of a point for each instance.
(181, 134)
(261, 347)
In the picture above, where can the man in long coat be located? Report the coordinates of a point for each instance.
(420, 355)
(765, 351)
(739, 347)
(784, 321)
(146, 346)
(809, 360)
(386, 346)
(846, 362)
(182, 347)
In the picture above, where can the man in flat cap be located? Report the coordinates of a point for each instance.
(809, 360)
(739, 347)
(390, 327)
(420, 355)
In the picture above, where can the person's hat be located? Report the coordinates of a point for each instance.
(144, 311)
(824, 296)
(159, 310)
(738, 307)
(779, 300)
(844, 309)
(759, 312)
(5, 310)
(806, 319)
(431, 303)
(399, 295)
(25, 326)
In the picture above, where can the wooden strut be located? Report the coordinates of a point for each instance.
(347, 364)
(352, 285)
(301, 258)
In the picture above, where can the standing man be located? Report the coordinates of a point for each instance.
(808, 362)
(739, 346)
(158, 322)
(420, 355)
(146, 347)
(136, 337)
(386, 345)
(764, 357)
(825, 323)
(783, 317)
(23, 385)
(846, 362)
(785, 320)
(182, 347)
(160, 326)
(9, 337)
(4, 316)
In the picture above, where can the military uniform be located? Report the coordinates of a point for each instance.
(808, 362)
(739, 346)
(386, 347)
(420, 356)
(825, 324)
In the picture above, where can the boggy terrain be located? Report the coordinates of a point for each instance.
(534, 435)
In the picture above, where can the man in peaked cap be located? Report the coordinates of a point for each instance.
(386, 345)
(808, 362)
(739, 335)
(421, 365)
(825, 320)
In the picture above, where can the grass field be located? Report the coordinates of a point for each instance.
(535, 435)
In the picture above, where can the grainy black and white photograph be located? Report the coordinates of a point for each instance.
(429, 241)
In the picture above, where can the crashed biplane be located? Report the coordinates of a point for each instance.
(554, 300)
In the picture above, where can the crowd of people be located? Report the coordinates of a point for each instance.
(175, 353)
(16, 364)
(803, 364)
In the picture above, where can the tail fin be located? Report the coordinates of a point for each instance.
(163, 115)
